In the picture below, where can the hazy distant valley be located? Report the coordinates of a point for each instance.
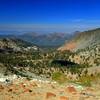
(52, 40)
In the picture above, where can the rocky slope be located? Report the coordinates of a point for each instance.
(83, 40)
(86, 49)
(14, 44)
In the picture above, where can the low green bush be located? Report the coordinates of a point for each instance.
(59, 77)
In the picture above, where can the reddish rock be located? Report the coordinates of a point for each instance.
(22, 85)
(26, 90)
(71, 89)
(64, 98)
(49, 95)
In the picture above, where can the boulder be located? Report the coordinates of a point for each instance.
(50, 95)
(64, 98)
(71, 89)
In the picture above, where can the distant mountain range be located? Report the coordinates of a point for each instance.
(42, 40)
(46, 40)
(76, 41)
(82, 40)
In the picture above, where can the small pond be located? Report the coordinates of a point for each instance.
(64, 63)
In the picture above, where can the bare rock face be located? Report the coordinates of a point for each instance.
(70, 46)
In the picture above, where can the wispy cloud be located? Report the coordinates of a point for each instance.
(85, 20)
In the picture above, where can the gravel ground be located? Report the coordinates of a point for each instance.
(23, 89)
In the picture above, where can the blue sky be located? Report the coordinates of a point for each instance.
(49, 15)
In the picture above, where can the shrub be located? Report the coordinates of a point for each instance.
(59, 77)
(86, 80)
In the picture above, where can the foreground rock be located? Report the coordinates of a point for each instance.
(23, 89)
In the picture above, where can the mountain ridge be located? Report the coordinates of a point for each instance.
(42, 40)
(82, 40)
(51, 39)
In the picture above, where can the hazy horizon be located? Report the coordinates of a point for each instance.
(48, 16)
